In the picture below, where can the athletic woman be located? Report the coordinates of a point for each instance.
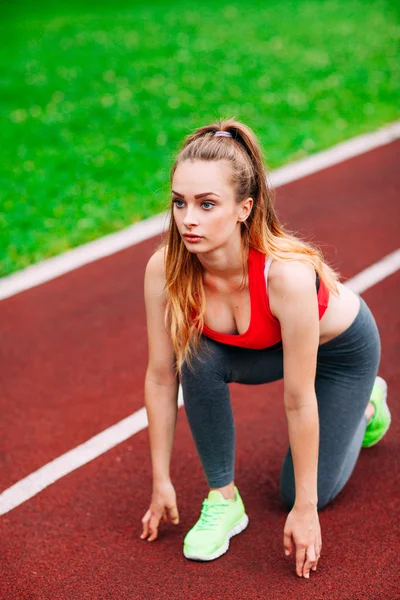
(232, 296)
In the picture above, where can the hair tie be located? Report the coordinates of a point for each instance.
(222, 134)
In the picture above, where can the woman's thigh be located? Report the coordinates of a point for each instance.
(207, 400)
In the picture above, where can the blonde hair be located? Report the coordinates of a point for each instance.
(261, 230)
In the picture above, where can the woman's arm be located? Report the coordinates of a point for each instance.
(294, 303)
(161, 382)
(162, 410)
(304, 440)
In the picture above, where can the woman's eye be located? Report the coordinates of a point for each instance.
(207, 202)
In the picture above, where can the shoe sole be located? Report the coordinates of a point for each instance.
(239, 527)
(384, 387)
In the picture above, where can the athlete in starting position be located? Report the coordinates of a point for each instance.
(231, 296)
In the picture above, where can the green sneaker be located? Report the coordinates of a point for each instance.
(220, 519)
(380, 422)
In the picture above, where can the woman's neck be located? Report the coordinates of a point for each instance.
(224, 266)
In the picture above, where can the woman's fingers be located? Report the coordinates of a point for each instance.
(300, 559)
(310, 559)
(317, 555)
(150, 526)
(154, 522)
(318, 552)
(287, 542)
(173, 514)
(306, 559)
(145, 523)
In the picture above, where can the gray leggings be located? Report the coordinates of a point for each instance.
(346, 369)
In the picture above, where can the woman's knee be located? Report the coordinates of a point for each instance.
(288, 497)
(325, 493)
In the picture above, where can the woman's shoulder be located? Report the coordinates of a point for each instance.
(290, 284)
(155, 268)
(291, 275)
(156, 261)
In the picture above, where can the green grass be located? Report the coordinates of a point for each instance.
(95, 100)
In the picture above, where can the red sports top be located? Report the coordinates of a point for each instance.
(264, 329)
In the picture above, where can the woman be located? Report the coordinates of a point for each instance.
(231, 296)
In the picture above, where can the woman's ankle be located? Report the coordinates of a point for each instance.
(228, 491)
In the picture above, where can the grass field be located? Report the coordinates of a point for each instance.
(95, 100)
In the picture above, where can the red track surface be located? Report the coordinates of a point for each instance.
(72, 362)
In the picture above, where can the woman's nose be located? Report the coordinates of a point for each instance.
(190, 219)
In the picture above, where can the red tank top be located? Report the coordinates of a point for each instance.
(264, 329)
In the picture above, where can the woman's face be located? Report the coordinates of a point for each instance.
(215, 215)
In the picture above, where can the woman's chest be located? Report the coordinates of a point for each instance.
(227, 311)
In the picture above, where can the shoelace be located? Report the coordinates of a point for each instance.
(209, 515)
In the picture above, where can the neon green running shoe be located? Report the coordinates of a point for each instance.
(220, 519)
(381, 419)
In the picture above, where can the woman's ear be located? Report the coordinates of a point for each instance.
(245, 209)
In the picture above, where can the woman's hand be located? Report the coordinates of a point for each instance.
(163, 505)
(302, 526)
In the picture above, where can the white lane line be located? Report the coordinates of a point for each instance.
(375, 273)
(37, 481)
(138, 232)
(336, 154)
(82, 255)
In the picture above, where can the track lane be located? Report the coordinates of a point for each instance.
(80, 537)
(80, 340)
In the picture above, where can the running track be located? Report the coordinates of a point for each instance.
(72, 363)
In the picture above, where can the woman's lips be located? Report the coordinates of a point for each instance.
(192, 238)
